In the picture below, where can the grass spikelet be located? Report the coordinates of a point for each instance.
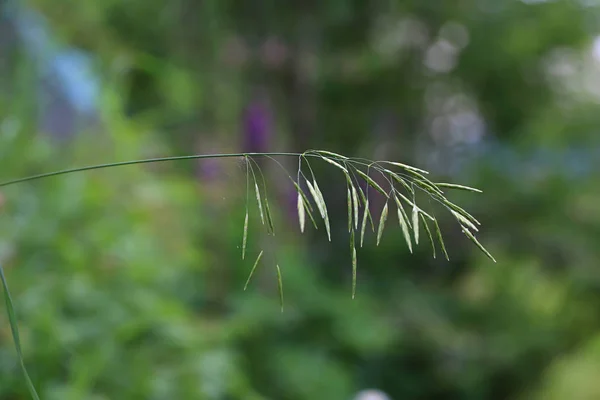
(260, 207)
(415, 222)
(354, 268)
(301, 212)
(364, 223)
(280, 286)
(407, 167)
(337, 165)
(459, 187)
(403, 221)
(355, 202)
(324, 212)
(382, 220)
(366, 204)
(270, 225)
(253, 269)
(441, 239)
(330, 153)
(372, 183)
(349, 210)
(479, 245)
(245, 235)
(307, 206)
(428, 234)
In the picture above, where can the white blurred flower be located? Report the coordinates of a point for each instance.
(371, 394)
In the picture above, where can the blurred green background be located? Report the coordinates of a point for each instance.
(128, 282)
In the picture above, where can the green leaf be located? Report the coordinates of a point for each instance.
(12, 319)
(372, 183)
(428, 234)
(459, 187)
(382, 219)
(441, 239)
(253, 269)
(479, 245)
(280, 286)
(245, 235)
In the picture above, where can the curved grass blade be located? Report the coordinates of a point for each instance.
(12, 319)
(301, 212)
(253, 269)
(372, 183)
(459, 187)
(428, 234)
(260, 207)
(245, 235)
(364, 223)
(280, 286)
(382, 219)
(441, 239)
(474, 240)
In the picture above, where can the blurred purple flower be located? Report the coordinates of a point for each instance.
(257, 126)
(208, 169)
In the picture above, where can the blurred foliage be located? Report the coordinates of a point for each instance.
(128, 282)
